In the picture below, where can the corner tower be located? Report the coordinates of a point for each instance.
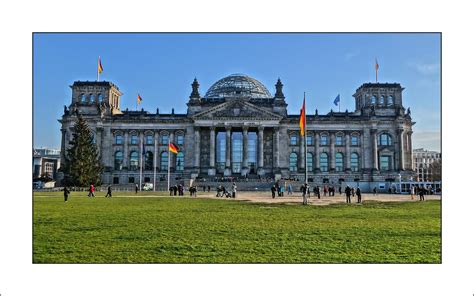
(379, 99)
(91, 97)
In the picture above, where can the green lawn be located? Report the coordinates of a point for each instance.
(184, 230)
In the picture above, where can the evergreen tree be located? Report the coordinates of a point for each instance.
(82, 162)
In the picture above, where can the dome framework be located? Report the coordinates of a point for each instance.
(238, 85)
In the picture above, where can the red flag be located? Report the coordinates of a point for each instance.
(173, 148)
(303, 117)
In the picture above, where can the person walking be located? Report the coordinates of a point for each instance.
(305, 191)
(66, 193)
(412, 192)
(348, 194)
(109, 191)
(136, 188)
(325, 190)
(421, 191)
(273, 189)
(234, 190)
(91, 191)
(340, 190)
(353, 191)
(318, 191)
(359, 195)
(375, 190)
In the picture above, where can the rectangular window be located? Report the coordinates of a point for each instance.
(354, 140)
(385, 163)
(149, 140)
(338, 140)
(118, 139)
(147, 179)
(134, 140)
(324, 140)
(131, 179)
(164, 139)
(309, 140)
(180, 140)
(116, 180)
(293, 140)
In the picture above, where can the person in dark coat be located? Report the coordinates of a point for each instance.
(175, 190)
(348, 194)
(109, 191)
(375, 190)
(318, 191)
(352, 191)
(421, 192)
(359, 195)
(171, 190)
(66, 193)
(273, 191)
(136, 188)
(340, 190)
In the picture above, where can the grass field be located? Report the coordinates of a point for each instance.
(184, 230)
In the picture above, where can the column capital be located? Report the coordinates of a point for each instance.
(373, 130)
(261, 128)
(245, 128)
(228, 128)
(212, 128)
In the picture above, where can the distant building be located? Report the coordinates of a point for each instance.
(422, 163)
(239, 129)
(46, 162)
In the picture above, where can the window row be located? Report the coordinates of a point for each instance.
(382, 100)
(134, 140)
(147, 161)
(324, 140)
(91, 98)
(324, 162)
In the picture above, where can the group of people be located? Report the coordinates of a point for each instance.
(91, 191)
(222, 192)
(177, 190)
(420, 191)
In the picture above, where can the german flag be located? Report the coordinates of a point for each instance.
(100, 69)
(173, 148)
(303, 117)
(139, 99)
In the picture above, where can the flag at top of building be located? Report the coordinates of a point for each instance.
(337, 100)
(139, 99)
(100, 69)
(376, 71)
(173, 148)
(303, 117)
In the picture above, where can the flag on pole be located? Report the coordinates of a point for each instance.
(139, 99)
(337, 100)
(376, 70)
(303, 117)
(173, 148)
(100, 69)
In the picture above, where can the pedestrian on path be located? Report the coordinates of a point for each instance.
(359, 195)
(66, 193)
(305, 191)
(273, 191)
(91, 191)
(109, 191)
(348, 194)
(421, 192)
(234, 190)
(136, 188)
(412, 192)
(375, 190)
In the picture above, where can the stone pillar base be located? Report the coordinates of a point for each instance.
(211, 172)
(261, 171)
(244, 171)
(227, 172)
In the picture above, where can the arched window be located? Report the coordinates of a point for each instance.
(382, 101)
(91, 98)
(354, 140)
(390, 101)
(385, 140)
(339, 140)
(118, 160)
(100, 97)
(354, 162)
(339, 162)
(324, 140)
(118, 139)
(134, 140)
(309, 140)
(164, 161)
(83, 98)
(180, 161)
(164, 139)
(373, 100)
(293, 162)
(309, 161)
(134, 160)
(293, 140)
(180, 139)
(149, 139)
(323, 162)
(148, 160)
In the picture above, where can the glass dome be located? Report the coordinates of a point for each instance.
(238, 85)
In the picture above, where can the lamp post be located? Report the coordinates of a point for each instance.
(400, 182)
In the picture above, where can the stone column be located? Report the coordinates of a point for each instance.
(156, 158)
(301, 157)
(228, 147)
(276, 149)
(125, 150)
(260, 149)
(333, 153)
(212, 152)
(401, 153)
(375, 165)
(410, 151)
(63, 146)
(245, 134)
(316, 149)
(197, 147)
(348, 151)
(141, 154)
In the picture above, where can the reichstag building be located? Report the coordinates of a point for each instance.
(238, 128)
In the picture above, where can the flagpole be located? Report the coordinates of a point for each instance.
(305, 153)
(141, 165)
(154, 167)
(169, 152)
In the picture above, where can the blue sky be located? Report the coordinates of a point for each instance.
(161, 68)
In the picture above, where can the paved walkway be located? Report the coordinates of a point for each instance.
(264, 197)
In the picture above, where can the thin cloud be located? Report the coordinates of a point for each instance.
(427, 68)
(350, 55)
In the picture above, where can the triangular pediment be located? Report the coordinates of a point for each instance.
(237, 110)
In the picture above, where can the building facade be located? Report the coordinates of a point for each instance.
(238, 128)
(423, 161)
(46, 162)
